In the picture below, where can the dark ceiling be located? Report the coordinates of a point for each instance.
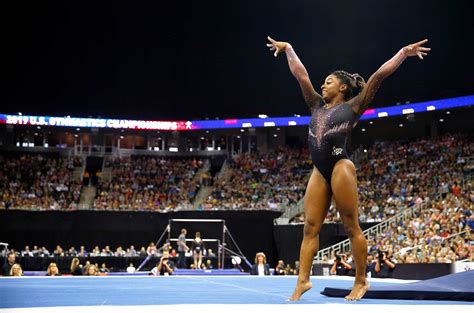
(198, 59)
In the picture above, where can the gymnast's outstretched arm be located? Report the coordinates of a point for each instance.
(311, 97)
(359, 103)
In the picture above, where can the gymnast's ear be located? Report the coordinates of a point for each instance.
(343, 87)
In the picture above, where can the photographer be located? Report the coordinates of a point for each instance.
(165, 267)
(384, 266)
(340, 266)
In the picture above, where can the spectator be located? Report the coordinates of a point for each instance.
(165, 267)
(260, 268)
(209, 265)
(53, 270)
(27, 252)
(82, 252)
(91, 270)
(103, 269)
(210, 253)
(16, 270)
(131, 268)
(9, 262)
(151, 249)
(280, 268)
(76, 269)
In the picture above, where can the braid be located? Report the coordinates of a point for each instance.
(354, 82)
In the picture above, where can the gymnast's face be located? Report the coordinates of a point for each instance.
(331, 88)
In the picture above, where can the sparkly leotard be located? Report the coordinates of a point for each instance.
(329, 131)
(330, 128)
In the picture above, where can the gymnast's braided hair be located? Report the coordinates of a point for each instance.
(355, 83)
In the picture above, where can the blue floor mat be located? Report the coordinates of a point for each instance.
(95, 291)
(454, 287)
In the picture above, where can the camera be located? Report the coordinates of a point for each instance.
(381, 254)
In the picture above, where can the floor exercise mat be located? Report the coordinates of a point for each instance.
(454, 287)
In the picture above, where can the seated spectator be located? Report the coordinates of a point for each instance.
(103, 269)
(91, 270)
(82, 252)
(9, 262)
(58, 251)
(296, 270)
(16, 270)
(208, 265)
(44, 252)
(27, 252)
(288, 270)
(280, 268)
(142, 252)
(119, 251)
(72, 251)
(53, 270)
(165, 266)
(131, 268)
(76, 268)
(260, 268)
(151, 249)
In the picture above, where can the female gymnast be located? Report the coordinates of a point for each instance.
(334, 114)
(197, 248)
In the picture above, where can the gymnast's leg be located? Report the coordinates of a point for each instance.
(344, 187)
(316, 204)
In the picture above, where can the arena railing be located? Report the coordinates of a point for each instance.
(345, 245)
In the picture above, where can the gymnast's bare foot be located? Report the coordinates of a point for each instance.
(300, 289)
(358, 291)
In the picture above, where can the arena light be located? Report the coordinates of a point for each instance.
(430, 108)
(262, 116)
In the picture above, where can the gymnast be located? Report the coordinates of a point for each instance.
(334, 113)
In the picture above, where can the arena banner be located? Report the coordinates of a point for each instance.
(296, 120)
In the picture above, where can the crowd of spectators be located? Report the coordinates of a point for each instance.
(163, 253)
(38, 181)
(394, 175)
(438, 234)
(262, 180)
(148, 183)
